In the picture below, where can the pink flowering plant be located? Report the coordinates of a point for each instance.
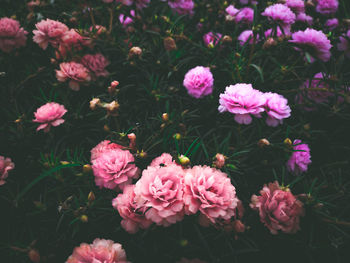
(174, 131)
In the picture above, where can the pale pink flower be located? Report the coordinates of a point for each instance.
(164, 160)
(161, 190)
(49, 31)
(315, 42)
(199, 82)
(231, 11)
(12, 35)
(100, 251)
(182, 7)
(247, 36)
(298, 6)
(102, 147)
(344, 44)
(327, 7)
(209, 191)
(280, 14)
(72, 40)
(300, 158)
(6, 165)
(75, 72)
(96, 64)
(49, 115)
(219, 160)
(114, 169)
(131, 210)
(277, 109)
(245, 15)
(97, 29)
(304, 18)
(242, 100)
(211, 39)
(278, 209)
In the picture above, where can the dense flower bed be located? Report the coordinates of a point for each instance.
(174, 130)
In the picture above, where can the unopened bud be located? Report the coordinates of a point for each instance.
(227, 39)
(112, 108)
(64, 162)
(219, 160)
(94, 102)
(288, 142)
(142, 154)
(135, 52)
(169, 44)
(177, 136)
(238, 226)
(132, 138)
(87, 168)
(34, 255)
(184, 160)
(165, 117)
(114, 83)
(106, 128)
(263, 142)
(270, 42)
(183, 242)
(91, 196)
(84, 218)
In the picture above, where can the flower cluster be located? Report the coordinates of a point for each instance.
(6, 165)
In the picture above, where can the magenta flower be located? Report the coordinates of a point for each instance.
(49, 31)
(182, 7)
(211, 39)
(280, 14)
(126, 20)
(6, 165)
(231, 11)
(246, 36)
(130, 209)
(313, 41)
(75, 72)
(209, 191)
(199, 82)
(344, 44)
(114, 169)
(245, 15)
(277, 109)
(297, 6)
(100, 251)
(304, 18)
(332, 23)
(278, 209)
(12, 35)
(49, 115)
(242, 100)
(102, 147)
(327, 7)
(273, 32)
(300, 158)
(96, 64)
(160, 189)
(164, 160)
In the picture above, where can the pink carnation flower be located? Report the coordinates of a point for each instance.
(278, 209)
(300, 158)
(315, 42)
(100, 251)
(182, 7)
(280, 14)
(297, 6)
(6, 165)
(209, 191)
(231, 11)
(247, 35)
(199, 82)
(76, 73)
(161, 190)
(12, 35)
(164, 160)
(277, 109)
(245, 15)
(242, 100)
(72, 40)
(211, 39)
(332, 24)
(114, 169)
(49, 31)
(327, 7)
(49, 115)
(96, 63)
(304, 18)
(344, 44)
(130, 209)
(102, 147)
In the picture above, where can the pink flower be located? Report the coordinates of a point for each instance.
(211, 39)
(72, 40)
(161, 190)
(280, 14)
(315, 42)
(182, 7)
(130, 210)
(96, 63)
(231, 11)
(219, 160)
(332, 24)
(77, 74)
(297, 6)
(49, 115)
(6, 165)
(278, 209)
(344, 44)
(277, 109)
(97, 29)
(12, 35)
(247, 35)
(199, 82)
(49, 31)
(126, 20)
(300, 158)
(114, 169)
(132, 143)
(245, 15)
(164, 160)
(273, 32)
(304, 18)
(139, 3)
(100, 251)
(209, 191)
(102, 147)
(242, 100)
(327, 7)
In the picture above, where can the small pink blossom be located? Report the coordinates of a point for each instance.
(126, 20)
(211, 39)
(12, 35)
(344, 44)
(280, 14)
(327, 7)
(273, 32)
(164, 160)
(161, 190)
(114, 169)
(209, 191)
(6, 165)
(277, 109)
(245, 15)
(132, 143)
(199, 82)
(304, 18)
(131, 210)
(75, 72)
(332, 23)
(182, 7)
(219, 160)
(100, 251)
(297, 6)
(49, 31)
(72, 40)
(300, 158)
(102, 147)
(231, 11)
(278, 209)
(247, 36)
(242, 100)
(49, 115)
(96, 64)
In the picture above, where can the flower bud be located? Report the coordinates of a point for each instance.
(132, 138)
(84, 218)
(91, 196)
(177, 136)
(142, 154)
(106, 128)
(169, 44)
(270, 42)
(263, 143)
(227, 39)
(219, 160)
(114, 83)
(34, 255)
(184, 160)
(112, 108)
(135, 52)
(238, 226)
(87, 168)
(94, 102)
(288, 142)
(165, 117)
